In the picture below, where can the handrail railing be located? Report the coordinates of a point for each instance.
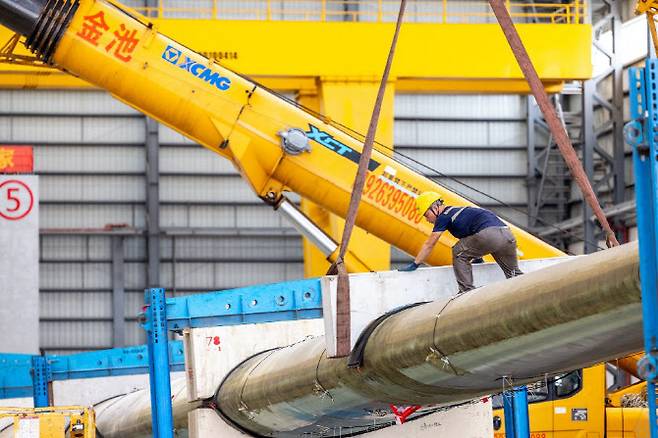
(422, 11)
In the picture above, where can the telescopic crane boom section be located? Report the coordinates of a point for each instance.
(275, 145)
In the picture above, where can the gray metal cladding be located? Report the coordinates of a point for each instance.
(71, 129)
(62, 102)
(117, 159)
(90, 155)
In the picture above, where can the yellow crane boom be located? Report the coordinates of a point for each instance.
(274, 144)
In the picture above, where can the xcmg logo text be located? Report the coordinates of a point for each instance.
(174, 56)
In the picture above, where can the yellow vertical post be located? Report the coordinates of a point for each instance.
(323, 11)
(269, 10)
(445, 11)
(380, 14)
(214, 9)
(350, 102)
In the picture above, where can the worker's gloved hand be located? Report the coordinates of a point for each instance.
(410, 267)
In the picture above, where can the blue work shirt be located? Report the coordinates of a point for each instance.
(465, 221)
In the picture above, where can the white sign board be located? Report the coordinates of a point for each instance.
(19, 264)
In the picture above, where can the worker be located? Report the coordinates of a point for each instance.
(479, 231)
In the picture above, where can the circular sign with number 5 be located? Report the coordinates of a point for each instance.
(16, 200)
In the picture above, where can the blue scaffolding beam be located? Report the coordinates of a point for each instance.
(642, 135)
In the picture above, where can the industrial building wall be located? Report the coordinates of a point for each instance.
(476, 145)
(215, 234)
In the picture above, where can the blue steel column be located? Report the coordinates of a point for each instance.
(642, 135)
(508, 409)
(40, 378)
(156, 331)
(515, 405)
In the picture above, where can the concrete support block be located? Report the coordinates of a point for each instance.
(205, 423)
(211, 353)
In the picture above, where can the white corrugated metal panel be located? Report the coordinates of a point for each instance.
(518, 216)
(135, 334)
(193, 159)
(199, 276)
(471, 163)
(63, 248)
(436, 133)
(134, 302)
(81, 334)
(459, 133)
(469, 12)
(97, 275)
(128, 130)
(135, 275)
(75, 159)
(92, 188)
(228, 248)
(99, 248)
(205, 189)
(134, 248)
(115, 130)
(511, 191)
(90, 216)
(76, 304)
(213, 276)
(507, 134)
(75, 248)
(76, 102)
(423, 11)
(187, 8)
(220, 216)
(465, 106)
(62, 276)
(259, 216)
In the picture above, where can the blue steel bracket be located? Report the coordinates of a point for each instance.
(41, 377)
(285, 301)
(16, 370)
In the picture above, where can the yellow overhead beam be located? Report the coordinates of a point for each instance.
(430, 57)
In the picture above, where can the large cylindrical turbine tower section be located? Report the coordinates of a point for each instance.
(559, 318)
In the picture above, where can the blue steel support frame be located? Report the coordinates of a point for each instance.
(41, 377)
(642, 135)
(16, 370)
(285, 301)
(515, 406)
(156, 329)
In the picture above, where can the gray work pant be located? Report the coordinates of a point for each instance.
(497, 241)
